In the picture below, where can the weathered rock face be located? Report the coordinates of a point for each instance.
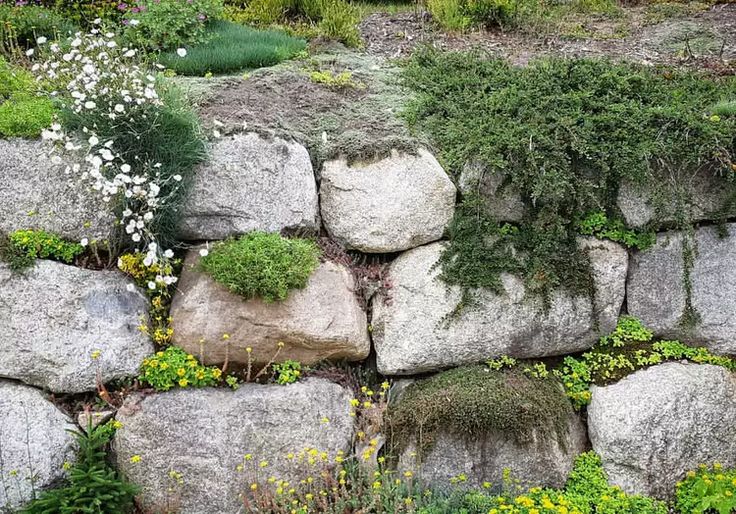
(656, 293)
(251, 183)
(546, 461)
(411, 336)
(55, 316)
(205, 433)
(656, 424)
(702, 197)
(502, 201)
(34, 443)
(389, 205)
(37, 194)
(322, 321)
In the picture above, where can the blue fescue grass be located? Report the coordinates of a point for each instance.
(232, 48)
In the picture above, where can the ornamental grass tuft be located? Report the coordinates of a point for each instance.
(230, 47)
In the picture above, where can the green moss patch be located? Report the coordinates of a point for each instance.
(476, 401)
(22, 113)
(262, 265)
(566, 134)
(230, 47)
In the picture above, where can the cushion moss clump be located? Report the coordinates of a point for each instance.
(261, 264)
(475, 401)
(565, 134)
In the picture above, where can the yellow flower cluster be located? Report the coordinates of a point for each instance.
(536, 501)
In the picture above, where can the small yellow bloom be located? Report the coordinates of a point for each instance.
(96, 354)
(135, 459)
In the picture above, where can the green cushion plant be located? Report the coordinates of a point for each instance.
(263, 265)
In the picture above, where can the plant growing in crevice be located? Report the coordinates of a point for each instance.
(707, 489)
(173, 367)
(630, 347)
(136, 139)
(92, 484)
(21, 248)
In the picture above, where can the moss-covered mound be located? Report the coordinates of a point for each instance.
(475, 401)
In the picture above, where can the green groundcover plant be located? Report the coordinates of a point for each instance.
(22, 112)
(709, 489)
(231, 47)
(262, 265)
(565, 134)
(23, 247)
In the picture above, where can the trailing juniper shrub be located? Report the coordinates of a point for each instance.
(565, 134)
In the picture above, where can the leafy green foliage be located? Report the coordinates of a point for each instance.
(629, 348)
(565, 134)
(231, 47)
(473, 401)
(262, 265)
(587, 488)
(21, 248)
(168, 134)
(20, 26)
(170, 24)
(597, 224)
(93, 485)
(725, 108)
(84, 12)
(287, 372)
(709, 489)
(331, 19)
(174, 367)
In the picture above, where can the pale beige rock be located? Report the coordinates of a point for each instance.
(322, 321)
(389, 205)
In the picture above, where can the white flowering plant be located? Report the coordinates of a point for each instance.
(135, 141)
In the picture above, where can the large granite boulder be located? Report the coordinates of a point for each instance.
(251, 183)
(654, 425)
(204, 434)
(411, 334)
(656, 291)
(322, 321)
(34, 444)
(54, 317)
(35, 193)
(389, 205)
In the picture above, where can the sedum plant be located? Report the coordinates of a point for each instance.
(708, 489)
(262, 265)
(173, 367)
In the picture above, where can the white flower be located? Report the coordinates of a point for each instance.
(129, 53)
(152, 246)
(168, 254)
(177, 178)
(84, 241)
(152, 285)
(136, 237)
(90, 104)
(93, 141)
(134, 22)
(29, 52)
(125, 168)
(130, 287)
(181, 52)
(41, 40)
(204, 252)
